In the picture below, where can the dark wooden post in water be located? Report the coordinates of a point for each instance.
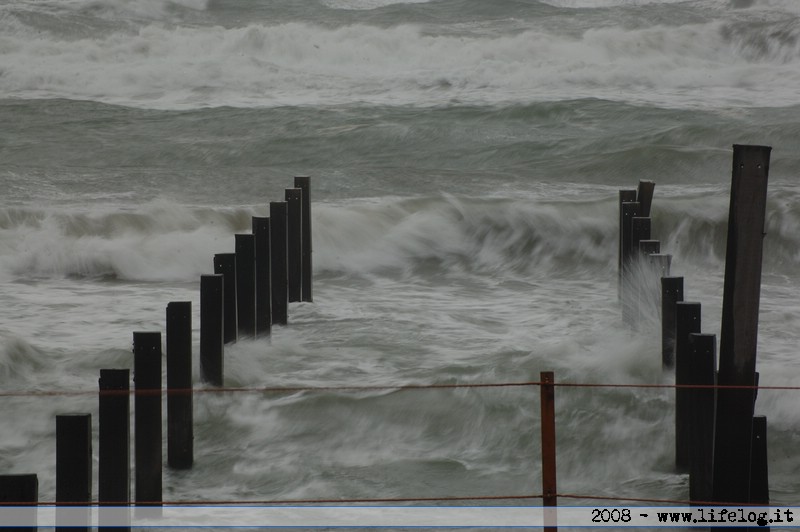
(687, 322)
(703, 372)
(225, 264)
(671, 294)
(549, 489)
(640, 230)
(246, 285)
(263, 283)
(629, 212)
(147, 419)
(759, 475)
(180, 431)
(21, 490)
(625, 196)
(644, 195)
(294, 242)
(114, 448)
(739, 332)
(211, 328)
(304, 183)
(278, 270)
(73, 470)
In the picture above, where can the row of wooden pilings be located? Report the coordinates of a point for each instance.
(718, 440)
(248, 293)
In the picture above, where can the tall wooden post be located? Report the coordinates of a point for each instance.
(180, 431)
(225, 264)
(304, 183)
(739, 332)
(246, 284)
(671, 293)
(73, 470)
(278, 270)
(629, 212)
(644, 195)
(294, 242)
(147, 419)
(759, 474)
(687, 322)
(263, 283)
(549, 488)
(21, 490)
(211, 329)
(625, 196)
(702, 372)
(114, 447)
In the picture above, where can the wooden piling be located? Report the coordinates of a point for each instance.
(739, 331)
(687, 321)
(702, 372)
(21, 490)
(147, 418)
(294, 242)
(629, 212)
(644, 195)
(304, 183)
(180, 431)
(246, 285)
(73, 470)
(649, 247)
(671, 293)
(548, 420)
(625, 196)
(225, 264)
(263, 283)
(211, 329)
(759, 474)
(640, 230)
(114, 447)
(278, 269)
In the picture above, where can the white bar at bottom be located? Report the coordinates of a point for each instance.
(406, 516)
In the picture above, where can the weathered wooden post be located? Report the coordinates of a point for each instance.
(739, 332)
(687, 321)
(304, 183)
(246, 284)
(225, 264)
(549, 489)
(629, 212)
(211, 329)
(278, 269)
(759, 474)
(671, 293)
(147, 418)
(263, 283)
(73, 470)
(21, 490)
(625, 196)
(294, 242)
(180, 431)
(114, 447)
(649, 247)
(644, 195)
(702, 372)
(640, 230)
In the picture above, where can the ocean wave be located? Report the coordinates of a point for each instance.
(428, 236)
(162, 66)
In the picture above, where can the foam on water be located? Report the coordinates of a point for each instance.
(708, 64)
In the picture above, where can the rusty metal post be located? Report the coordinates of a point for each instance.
(549, 489)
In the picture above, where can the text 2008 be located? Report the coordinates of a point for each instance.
(611, 515)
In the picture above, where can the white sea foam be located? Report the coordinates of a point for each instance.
(367, 4)
(708, 64)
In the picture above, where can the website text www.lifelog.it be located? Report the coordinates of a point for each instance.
(276, 515)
